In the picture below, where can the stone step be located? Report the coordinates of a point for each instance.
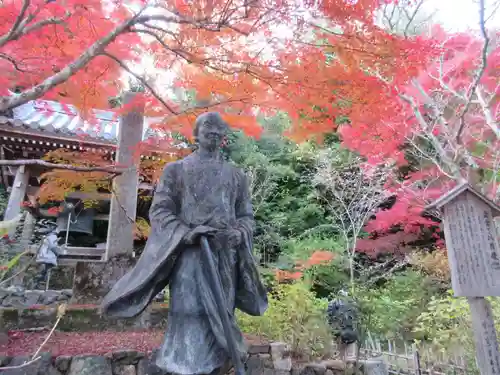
(264, 360)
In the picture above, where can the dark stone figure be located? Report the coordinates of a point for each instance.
(342, 316)
(199, 195)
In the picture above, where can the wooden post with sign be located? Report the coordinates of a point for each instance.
(474, 257)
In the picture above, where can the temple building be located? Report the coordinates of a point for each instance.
(41, 126)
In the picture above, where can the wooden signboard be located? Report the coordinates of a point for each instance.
(472, 245)
(474, 257)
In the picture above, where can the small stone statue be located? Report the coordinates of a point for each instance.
(342, 317)
(200, 195)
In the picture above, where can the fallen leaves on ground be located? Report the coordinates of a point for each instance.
(74, 343)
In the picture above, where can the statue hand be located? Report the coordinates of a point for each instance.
(229, 238)
(194, 234)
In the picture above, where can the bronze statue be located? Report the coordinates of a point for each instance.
(200, 195)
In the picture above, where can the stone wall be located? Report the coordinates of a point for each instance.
(268, 359)
(20, 298)
(61, 277)
(81, 318)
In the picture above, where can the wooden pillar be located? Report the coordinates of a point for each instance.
(93, 280)
(17, 194)
(124, 195)
(28, 229)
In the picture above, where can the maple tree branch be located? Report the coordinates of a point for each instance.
(64, 74)
(42, 163)
(197, 23)
(141, 80)
(13, 62)
(163, 44)
(21, 27)
(42, 23)
(440, 79)
(453, 167)
(8, 36)
(479, 73)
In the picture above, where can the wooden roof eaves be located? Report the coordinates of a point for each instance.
(56, 137)
(459, 189)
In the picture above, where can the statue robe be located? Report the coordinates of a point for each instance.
(193, 192)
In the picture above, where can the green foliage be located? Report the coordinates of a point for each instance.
(327, 280)
(446, 324)
(8, 265)
(392, 310)
(302, 248)
(284, 199)
(295, 316)
(293, 221)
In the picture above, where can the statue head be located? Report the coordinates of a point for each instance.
(210, 130)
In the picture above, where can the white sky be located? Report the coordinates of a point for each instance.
(462, 14)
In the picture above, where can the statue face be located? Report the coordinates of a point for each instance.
(211, 133)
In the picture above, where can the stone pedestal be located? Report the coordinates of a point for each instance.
(93, 281)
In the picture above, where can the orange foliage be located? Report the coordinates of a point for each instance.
(232, 54)
(40, 52)
(57, 183)
(319, 257)
(302, 78)
(284, 276)
(240, 58)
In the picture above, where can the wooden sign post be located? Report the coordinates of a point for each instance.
(474, 257)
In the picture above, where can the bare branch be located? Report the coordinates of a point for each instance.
(352, 194)
(260, 189)
(479, 73)
(141, 80)
(389, 18)
(411, 17)
(42, 163)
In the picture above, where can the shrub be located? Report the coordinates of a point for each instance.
(295, 316)
(435, 264)
(447, 327)
(328, 279)
(392, 310)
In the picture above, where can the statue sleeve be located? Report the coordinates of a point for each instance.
(166, 203)
(251, 294)
(244, 210)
